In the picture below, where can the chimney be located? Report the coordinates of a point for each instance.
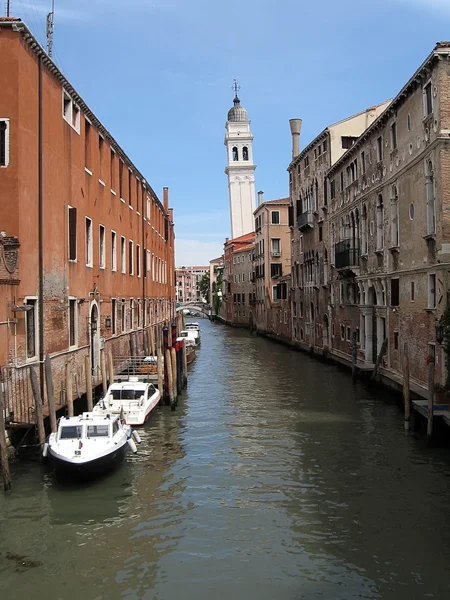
(260, 198)
(166, 198)
(296, 125)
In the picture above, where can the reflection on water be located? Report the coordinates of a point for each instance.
(274, 478)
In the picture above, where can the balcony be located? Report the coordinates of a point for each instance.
(305, 220)
(346, 254)
(276, 253)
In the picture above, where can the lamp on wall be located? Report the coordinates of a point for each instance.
(108, 322)
(94, 325)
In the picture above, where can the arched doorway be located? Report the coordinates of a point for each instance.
(94, 339)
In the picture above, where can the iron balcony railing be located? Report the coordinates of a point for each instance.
(346, 254)
(305, 220)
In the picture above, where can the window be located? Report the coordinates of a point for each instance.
(88, 236)
(412, 291)
(324, 145)
(427, 100)
(394, 136)
(71, 112)
(101, 148)
(380, 224)
(121, 179)
(123, 255)
(275, 270)
(320, 233)
(148, 208)
(408, 122)
(342, 332)
(122, 315)
(342, 181)
(395, 292)
(332, 189)
(130, 177)
(4, 143)
(379, 149)
(274, 294)
(87, 145)
(363, 162)
(102, 248)
(347, 141)
(113, 316)
(138, 260)
(306, 161)
(72, 322)
(394, 217)
(131, 314)
(275, 217)
(72, 233)
(113, 251)
(395, 340)
(97, 431)
(348, 334)
(112, 167)
(130, 257)
(31, 327)
(235, 153)
(431, 209)
(432, 290)
(276, 246)
(245, 153)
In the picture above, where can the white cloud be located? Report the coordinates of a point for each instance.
(195, 252)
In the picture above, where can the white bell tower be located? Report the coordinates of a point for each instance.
(240, 169)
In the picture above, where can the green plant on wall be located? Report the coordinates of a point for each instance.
(444, 322)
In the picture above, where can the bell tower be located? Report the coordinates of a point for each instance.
(240, 168)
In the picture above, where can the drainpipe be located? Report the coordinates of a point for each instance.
(41, 249)
(143, 259)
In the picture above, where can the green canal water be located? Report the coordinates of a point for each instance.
(275, 478)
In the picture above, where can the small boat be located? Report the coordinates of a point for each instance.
(89, 444)
(191, 334)
(193, 327)
(133, 399)
(190, 348)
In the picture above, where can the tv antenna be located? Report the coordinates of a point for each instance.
(50, 28)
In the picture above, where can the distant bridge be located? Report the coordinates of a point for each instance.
(199, 307)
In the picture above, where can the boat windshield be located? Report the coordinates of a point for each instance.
(71, 432)
(122, 394)
(97, 431)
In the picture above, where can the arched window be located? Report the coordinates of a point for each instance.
(431, 201)
(364, 231)
(245, 153)
(380, 219)
(235, 153)
(394, 217)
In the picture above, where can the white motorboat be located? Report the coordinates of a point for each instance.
(89, 444)
(191, 334)
(134, 399)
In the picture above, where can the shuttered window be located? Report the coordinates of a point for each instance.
(72, 233)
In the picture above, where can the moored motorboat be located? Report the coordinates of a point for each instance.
(190, 348)
(193, 327)
(89, 444)
(134, 399)
(191, 334)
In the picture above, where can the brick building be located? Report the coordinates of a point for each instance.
(229, 307)
(188, 283)
(272, 264)
(96, 259)
(243, 287)
(388, 235)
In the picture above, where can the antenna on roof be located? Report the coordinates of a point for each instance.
(50, 27)
(8, 7)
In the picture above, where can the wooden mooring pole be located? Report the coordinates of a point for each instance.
(406, 395)
(185, 364)
(50, 393)
(173, 356)
(160, 362)
(4, 447)
(38, 412)
(88, 369)
(110, 367)
(168, 361)
(103, 371)
(354, 357)
(431, 366)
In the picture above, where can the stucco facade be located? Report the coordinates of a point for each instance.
(96, 258)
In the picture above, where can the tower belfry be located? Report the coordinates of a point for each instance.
(240, 167)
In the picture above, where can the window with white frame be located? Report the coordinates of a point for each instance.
(431, 290)
(73, 322)
(131, 315)
(123, 255)
(31, 327)
(431, 201)
(138, 260)
(88, 241)
(149, 261)
(274, 293)
(275, 217)
(394, 217)
(102, 247)
(394, 135)
(113, 316)
(148, 204)
(130, 257)
(4, 142)
(380, 223)
(276, 246)
(71, 112)
(113, 251)
(427, 100)
(72, 233)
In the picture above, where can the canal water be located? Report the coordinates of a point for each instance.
(275, 478)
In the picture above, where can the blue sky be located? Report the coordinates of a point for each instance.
(158, 74)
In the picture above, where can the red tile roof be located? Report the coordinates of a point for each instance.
(279, 201)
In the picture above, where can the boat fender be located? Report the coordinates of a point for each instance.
(132, 445)
(45, 450)
(137, 437)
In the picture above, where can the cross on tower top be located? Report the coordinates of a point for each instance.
(236, 87)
